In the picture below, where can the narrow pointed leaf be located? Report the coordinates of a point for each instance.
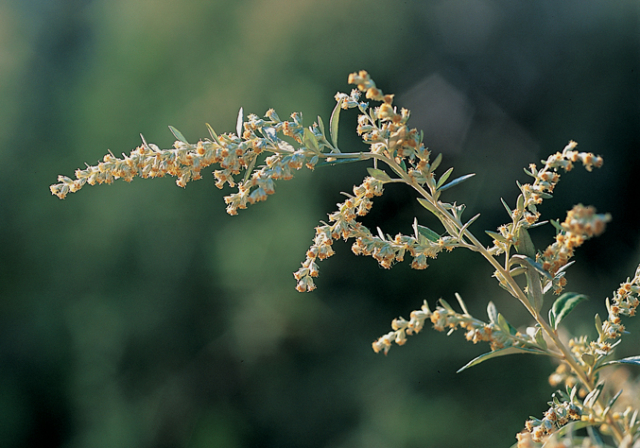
(321, 125)
(527, 261)
(457, 181)
(436, 163)
(444, 177)
(592, 396)
(492, 312)
(428, 205)
(630, 360)
(378, 174)
(534, 288)
(178, 134)
(497, 353)
(496, 236)
(333, 123)
(214, 136)
(506, 207)
(564, 305)
(239, 122)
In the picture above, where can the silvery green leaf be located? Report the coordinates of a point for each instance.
(378, 174)
(524, 244)
(178, 135)
(611, 402)
(496, 236)
(339, 161)
(455, 182)
(270, 133)
(310, 141)
(630, 360)
(144, 143)
(239, 122)
(492, 312)
(506, 207)
(555, 223)
(524, 261)
(540, 339)
(534, 288)
(428, 205)
(592, 396)
(444, 177)
(599, 325)
(500, 352)
(520, 203)
(321, 126)
(428, 233)
(436, 162)
(333, 123)
(446, 306)
(462, 305)
(505, 325)
(214, 136)
(564, 305)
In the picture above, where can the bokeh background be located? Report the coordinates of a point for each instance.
(141, 315)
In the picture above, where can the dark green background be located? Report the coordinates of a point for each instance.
(141, 315)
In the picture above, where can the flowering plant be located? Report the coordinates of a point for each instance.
(265, 150)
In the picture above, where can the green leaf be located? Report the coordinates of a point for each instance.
(428, 205)
(496, 236)
(239, 122)
(524, 245)
(527, 261)
(333, 123)
(310, 141)
(592, 396)
(500, 352)
(338, 161)
(321, 126)
(534, 288)
(506, 207)
(599, 325)
(630, 360)
(444, 177)
(428, 233)
(564, 305)
(539, 337)
(492, 312)
(214, 136)
(178, 135)
(436, 163)
(505, 325)
(457, 181)
(378, 174)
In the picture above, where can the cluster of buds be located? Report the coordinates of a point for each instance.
(444, 317)
(546, 178)
(384, 249)
(557, 416)
(234, 153)
(385, 128)
(624, 303)
(581, 224)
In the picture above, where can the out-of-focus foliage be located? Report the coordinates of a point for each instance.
(142, 315)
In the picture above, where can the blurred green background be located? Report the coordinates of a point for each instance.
(141, 315)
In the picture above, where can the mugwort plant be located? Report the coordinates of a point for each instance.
(266, 149)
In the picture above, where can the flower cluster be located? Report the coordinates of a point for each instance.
(234, 153)
(498, 332)
(546, 178)
(557, 416)
(581, 224)
(624, 303)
